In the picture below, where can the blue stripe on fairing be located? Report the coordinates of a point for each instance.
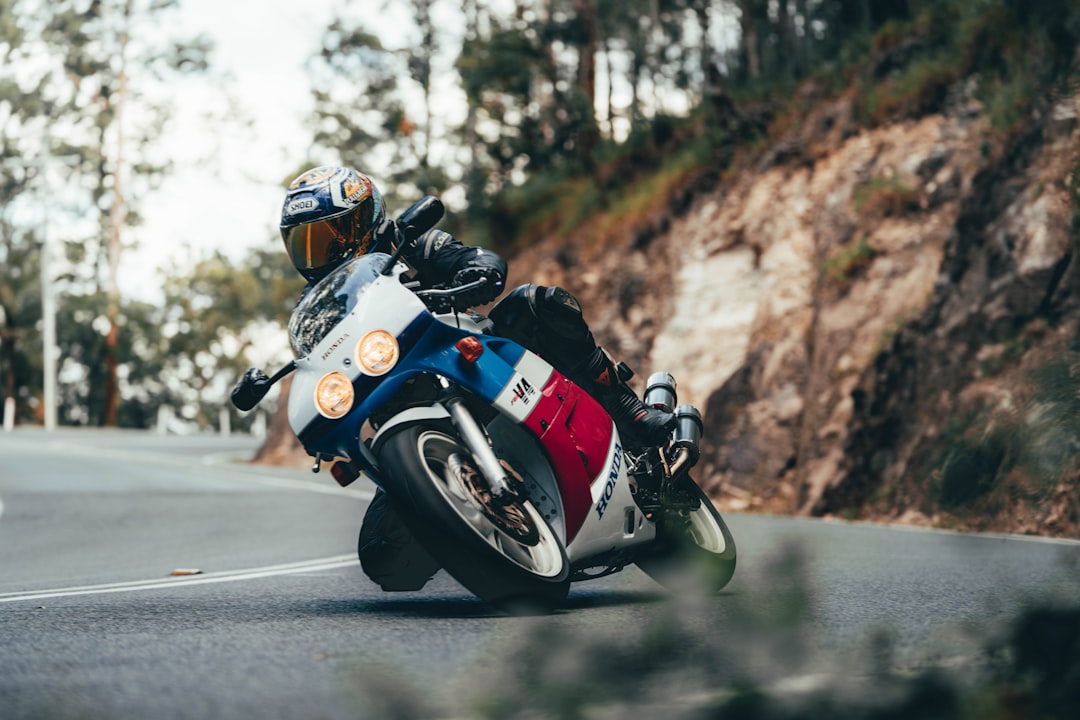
(435, 353)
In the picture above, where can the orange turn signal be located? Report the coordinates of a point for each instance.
(470, 348)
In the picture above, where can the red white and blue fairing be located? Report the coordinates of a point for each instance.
(575, 466)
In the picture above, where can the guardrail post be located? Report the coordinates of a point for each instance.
(258, 426)
(163, 413)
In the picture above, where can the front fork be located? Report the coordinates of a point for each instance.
(477, 442)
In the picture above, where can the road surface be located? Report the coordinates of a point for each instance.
(275, 619)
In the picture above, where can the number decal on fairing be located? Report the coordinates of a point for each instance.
(520, 396)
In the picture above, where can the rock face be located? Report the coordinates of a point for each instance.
(840, 309)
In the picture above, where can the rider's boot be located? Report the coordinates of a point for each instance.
(638, 422)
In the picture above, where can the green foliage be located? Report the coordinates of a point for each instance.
(1017, 50)
(364, 104)
(847, 262)
(632, 185)
(20, 309)
(219, 319)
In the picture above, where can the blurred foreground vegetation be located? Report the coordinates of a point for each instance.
(750, 656)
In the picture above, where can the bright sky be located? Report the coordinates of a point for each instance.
(225, 191)
(226, 188)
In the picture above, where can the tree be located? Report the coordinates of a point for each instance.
(23, 113)
(116, 119)
(93, 108)
(374, 105)
(219, 319)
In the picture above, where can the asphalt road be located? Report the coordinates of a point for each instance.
(279, 622)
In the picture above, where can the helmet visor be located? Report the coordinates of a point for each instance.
(315, 248)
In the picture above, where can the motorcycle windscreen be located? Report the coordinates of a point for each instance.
(326, 304)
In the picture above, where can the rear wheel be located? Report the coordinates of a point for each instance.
(502, 551)
(694, 550)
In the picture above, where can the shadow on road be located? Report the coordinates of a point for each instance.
(465, 606)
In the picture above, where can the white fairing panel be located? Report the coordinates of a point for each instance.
(614, 520)
(385, 305)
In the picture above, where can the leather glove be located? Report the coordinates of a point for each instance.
(485, 264)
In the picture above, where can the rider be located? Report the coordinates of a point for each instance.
(332, 214)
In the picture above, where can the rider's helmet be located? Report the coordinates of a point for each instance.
(329, 216)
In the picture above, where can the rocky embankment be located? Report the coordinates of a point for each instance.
(877, 323)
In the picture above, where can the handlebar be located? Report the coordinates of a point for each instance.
(448, 293)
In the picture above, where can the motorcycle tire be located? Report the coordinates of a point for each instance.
(693, 552)
(508, 556)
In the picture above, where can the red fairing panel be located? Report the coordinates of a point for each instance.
(577, 433)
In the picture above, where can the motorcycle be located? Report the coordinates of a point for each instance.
(509, 475)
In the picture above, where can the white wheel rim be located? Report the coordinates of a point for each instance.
(706, 532)
(544, 559)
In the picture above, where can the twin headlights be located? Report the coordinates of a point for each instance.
(376, 354)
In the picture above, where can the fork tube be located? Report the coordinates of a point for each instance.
(478, 445)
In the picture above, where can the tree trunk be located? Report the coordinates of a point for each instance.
(586, 77)
(7, 357)
(750, 48)
(786, 33)
(111, 415)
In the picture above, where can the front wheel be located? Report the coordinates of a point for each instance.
(693, 550)
(503, 552)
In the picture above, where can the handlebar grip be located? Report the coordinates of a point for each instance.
(254, 385)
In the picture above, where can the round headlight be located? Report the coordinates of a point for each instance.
(377, 352)
(334, 395)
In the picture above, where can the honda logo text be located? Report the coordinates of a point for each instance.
(337, 343)
(613, 478)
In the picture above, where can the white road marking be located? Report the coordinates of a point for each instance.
(219, 460)
(331, 563)
(240, 474)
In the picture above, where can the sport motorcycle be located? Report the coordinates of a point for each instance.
(512, 477)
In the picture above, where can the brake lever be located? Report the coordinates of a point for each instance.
(443, 300)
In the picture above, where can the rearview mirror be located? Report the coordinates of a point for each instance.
(420, 217)
(250, 390)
